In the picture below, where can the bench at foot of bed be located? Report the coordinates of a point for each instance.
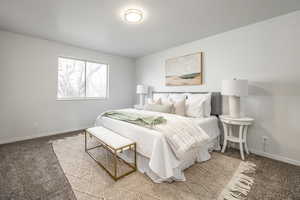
(113, 143)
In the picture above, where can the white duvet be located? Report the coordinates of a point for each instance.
(153, 144)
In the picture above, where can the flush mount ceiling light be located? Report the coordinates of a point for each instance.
(133, 16)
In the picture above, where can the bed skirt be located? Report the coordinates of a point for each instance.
(196, 155)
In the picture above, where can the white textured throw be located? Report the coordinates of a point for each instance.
(182, 134)
(240, 184)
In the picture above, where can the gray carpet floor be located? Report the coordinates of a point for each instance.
(30, 170)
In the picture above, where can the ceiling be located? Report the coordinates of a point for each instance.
(97, 25)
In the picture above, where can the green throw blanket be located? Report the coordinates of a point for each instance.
(134, 118)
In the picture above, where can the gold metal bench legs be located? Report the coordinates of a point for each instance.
(114, 152)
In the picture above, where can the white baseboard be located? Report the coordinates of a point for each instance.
(276, 157)
(268, 155)
(28, 137)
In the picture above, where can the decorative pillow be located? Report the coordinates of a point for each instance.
(160, 95)
(158, 108)
(179, 107)
(163, 96)
(152, 101)
(198, 105)
(167, 102)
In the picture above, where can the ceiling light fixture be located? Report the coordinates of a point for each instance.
(133, 16)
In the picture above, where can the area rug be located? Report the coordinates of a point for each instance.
(221, 177)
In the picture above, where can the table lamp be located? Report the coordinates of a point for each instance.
(235, 89)
(141, 90)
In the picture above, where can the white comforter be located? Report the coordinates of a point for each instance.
(183, 134)
(153, 144)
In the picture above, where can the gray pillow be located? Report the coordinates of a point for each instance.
(158, 108)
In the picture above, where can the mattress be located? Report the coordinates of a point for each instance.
(152, 144)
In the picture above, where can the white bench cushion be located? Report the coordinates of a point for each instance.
(109, 137)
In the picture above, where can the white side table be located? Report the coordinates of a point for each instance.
(243, 123)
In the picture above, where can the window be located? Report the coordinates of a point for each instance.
(79, 79)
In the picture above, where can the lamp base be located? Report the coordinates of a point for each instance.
(234, 107)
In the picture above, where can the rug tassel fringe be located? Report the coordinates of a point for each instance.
(240, 184)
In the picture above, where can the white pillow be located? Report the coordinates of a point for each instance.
(198, 105)
(179, 107)
(152, 101)
(162, 96)
(178, 102)
(158, 108)
(168, 102)
(175, 97)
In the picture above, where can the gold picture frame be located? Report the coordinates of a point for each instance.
(184, 70)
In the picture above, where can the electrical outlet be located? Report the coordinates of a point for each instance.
(265, 142)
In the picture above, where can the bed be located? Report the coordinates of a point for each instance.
(155, 157)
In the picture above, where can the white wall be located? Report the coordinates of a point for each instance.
(267, 54)
(28, 83)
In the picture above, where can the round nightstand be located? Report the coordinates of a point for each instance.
(243, 123)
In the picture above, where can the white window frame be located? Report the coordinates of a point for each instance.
(83, 98)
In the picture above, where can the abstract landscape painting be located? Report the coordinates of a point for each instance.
(184, 70)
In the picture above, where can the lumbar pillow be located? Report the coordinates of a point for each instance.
(158, 108)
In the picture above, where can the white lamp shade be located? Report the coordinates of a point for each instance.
(235, 87)
(141, 89)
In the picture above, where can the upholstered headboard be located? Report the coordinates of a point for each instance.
(216, 100)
